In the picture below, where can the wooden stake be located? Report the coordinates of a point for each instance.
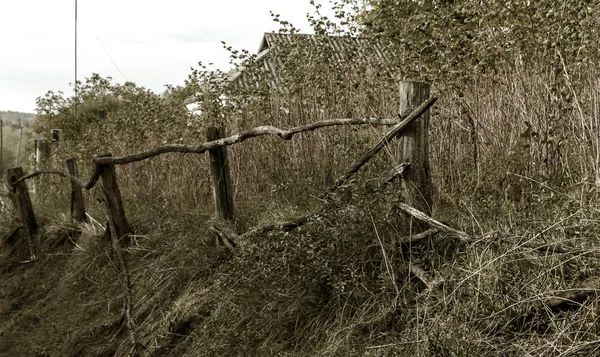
(417, 189)
(42, 153)
(19, 147)
(114, 204)
(222, 188)
(77, 206)
(23, 203)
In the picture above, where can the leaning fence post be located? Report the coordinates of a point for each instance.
(77, 206)
(114, 203)
(24, 206)
(222, 188)
(416, 186)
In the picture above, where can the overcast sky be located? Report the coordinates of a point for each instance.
(153, 43)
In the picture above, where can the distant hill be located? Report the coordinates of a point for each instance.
(15, 116)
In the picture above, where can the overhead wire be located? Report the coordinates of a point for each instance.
(109, 57)
(13, 78)
(28, 72)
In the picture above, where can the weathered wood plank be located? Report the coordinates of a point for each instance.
(77, 205)
(417, 188)
(22, 200)
(222, 188)
(114, 204)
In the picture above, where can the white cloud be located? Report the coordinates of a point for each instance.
(152, 42)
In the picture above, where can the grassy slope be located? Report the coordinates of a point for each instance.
(339, 287)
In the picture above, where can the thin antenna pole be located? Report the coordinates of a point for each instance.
(75, 84)
(20, 140)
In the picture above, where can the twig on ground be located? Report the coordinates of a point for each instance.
(441, 227)
(429, 281)
(571, 298)
(416, 238)
(433, 223)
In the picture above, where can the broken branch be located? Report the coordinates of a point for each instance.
(429, 281)
(433, 223)
(416, 238)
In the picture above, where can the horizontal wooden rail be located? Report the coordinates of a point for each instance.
(73, 179)
(238, 138)
(88, 186)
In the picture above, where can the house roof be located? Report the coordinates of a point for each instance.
(343, 49)
(373, 50)
(339, 44)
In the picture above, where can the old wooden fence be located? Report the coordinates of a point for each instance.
(414, 104)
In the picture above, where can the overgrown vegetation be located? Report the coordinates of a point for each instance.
(11, 136)
(515, 159)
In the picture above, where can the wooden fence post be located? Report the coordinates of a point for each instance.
(23, 203)
(222, 188)
(77, 206)
(114, 204)
(42, 156)
(417, 186)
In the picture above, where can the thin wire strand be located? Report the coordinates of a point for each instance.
(28, 72)
(109, 57)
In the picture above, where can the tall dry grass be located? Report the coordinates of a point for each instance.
(503, 137)
(510, 136)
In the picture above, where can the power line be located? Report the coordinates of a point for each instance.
(109, 57)
(28, 72)
(13, 78)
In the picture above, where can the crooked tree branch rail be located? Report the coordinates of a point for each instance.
(261, 131)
